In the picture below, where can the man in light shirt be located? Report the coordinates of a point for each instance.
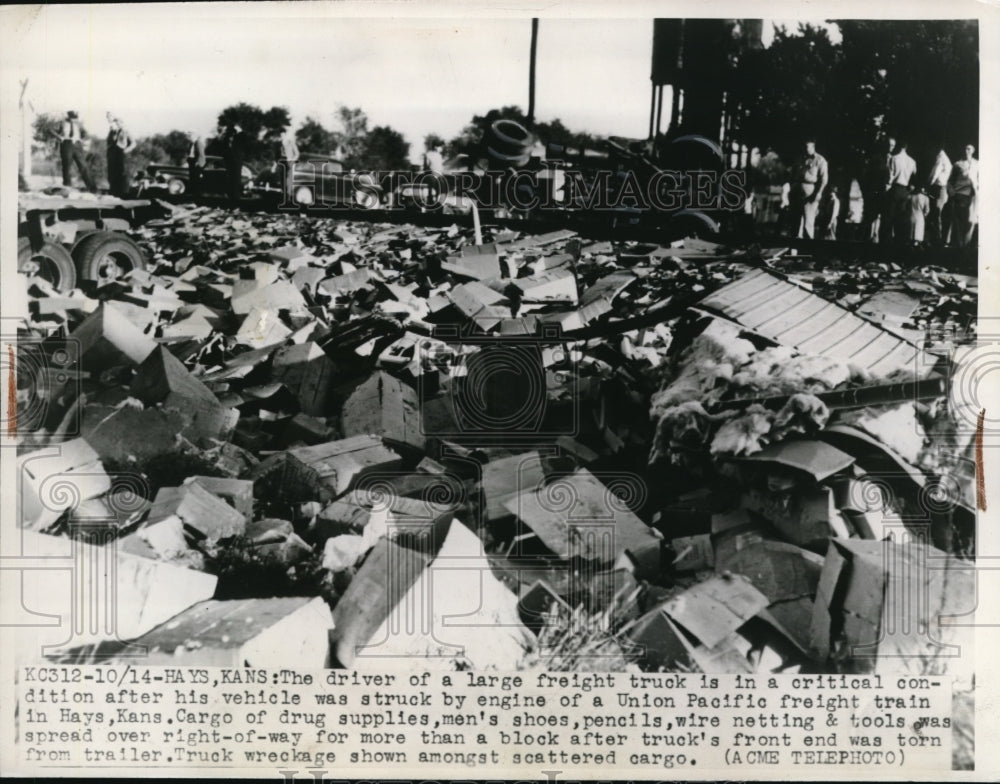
(196, 163)
(434, 160)
(902, 169)
(963, 189)
(813, 175)
(937, 192)
(288, 156)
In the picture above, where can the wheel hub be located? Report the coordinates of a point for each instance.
(109, 269)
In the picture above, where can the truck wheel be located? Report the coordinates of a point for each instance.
(106, 256)
(79, 239)
(52, 263)
(366, 200)
(517, 159)
(510, 137)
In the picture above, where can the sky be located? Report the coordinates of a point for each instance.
(161, 67)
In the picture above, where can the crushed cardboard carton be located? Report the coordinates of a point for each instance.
(243, 633)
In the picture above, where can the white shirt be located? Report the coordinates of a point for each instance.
(941, 170)
(434, 161)
(901, 169)
(71, 130)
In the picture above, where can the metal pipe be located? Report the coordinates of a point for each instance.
(531, 72)
(659, 112)
(652, 113)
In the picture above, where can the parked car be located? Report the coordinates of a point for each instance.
(321, 181)
(175, 179)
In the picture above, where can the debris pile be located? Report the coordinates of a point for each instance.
(606, 454)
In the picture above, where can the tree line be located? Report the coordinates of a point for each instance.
(917, 80)
(910, 79)
(351, 140)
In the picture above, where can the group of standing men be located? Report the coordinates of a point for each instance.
(232, 145)
(897, 207)
(119, 144)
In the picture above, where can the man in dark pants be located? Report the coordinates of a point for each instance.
(119, 145)
(196, 163)
(71, 149)
(876, 199)
(938, 228)
(902, 169)
(807, 194)
(232, 153)
(963, 192)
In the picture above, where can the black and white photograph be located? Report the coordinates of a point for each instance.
(512, 392)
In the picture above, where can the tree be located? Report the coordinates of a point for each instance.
(469, 140)
(311, 136)
(385, 149)
(169, 148)
(276, 121)
(176, 145)
(260, 128)
(790, 89)
(434, 141)
(558, 133)
(46, 128)
(917, 80)
(148, 150)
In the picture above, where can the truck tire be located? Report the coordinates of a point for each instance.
(510, 137)
(79, 239)
(518, 159)
(106, 256)
(52, 263)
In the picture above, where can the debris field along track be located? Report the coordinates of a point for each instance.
(299, 406)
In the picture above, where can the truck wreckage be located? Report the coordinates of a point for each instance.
(287, 430)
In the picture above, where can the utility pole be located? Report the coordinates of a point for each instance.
(531, 73)
(25, 108)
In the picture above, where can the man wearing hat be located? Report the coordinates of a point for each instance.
(233, 151)
(71, 149)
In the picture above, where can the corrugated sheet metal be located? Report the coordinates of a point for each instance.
(792, 316)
